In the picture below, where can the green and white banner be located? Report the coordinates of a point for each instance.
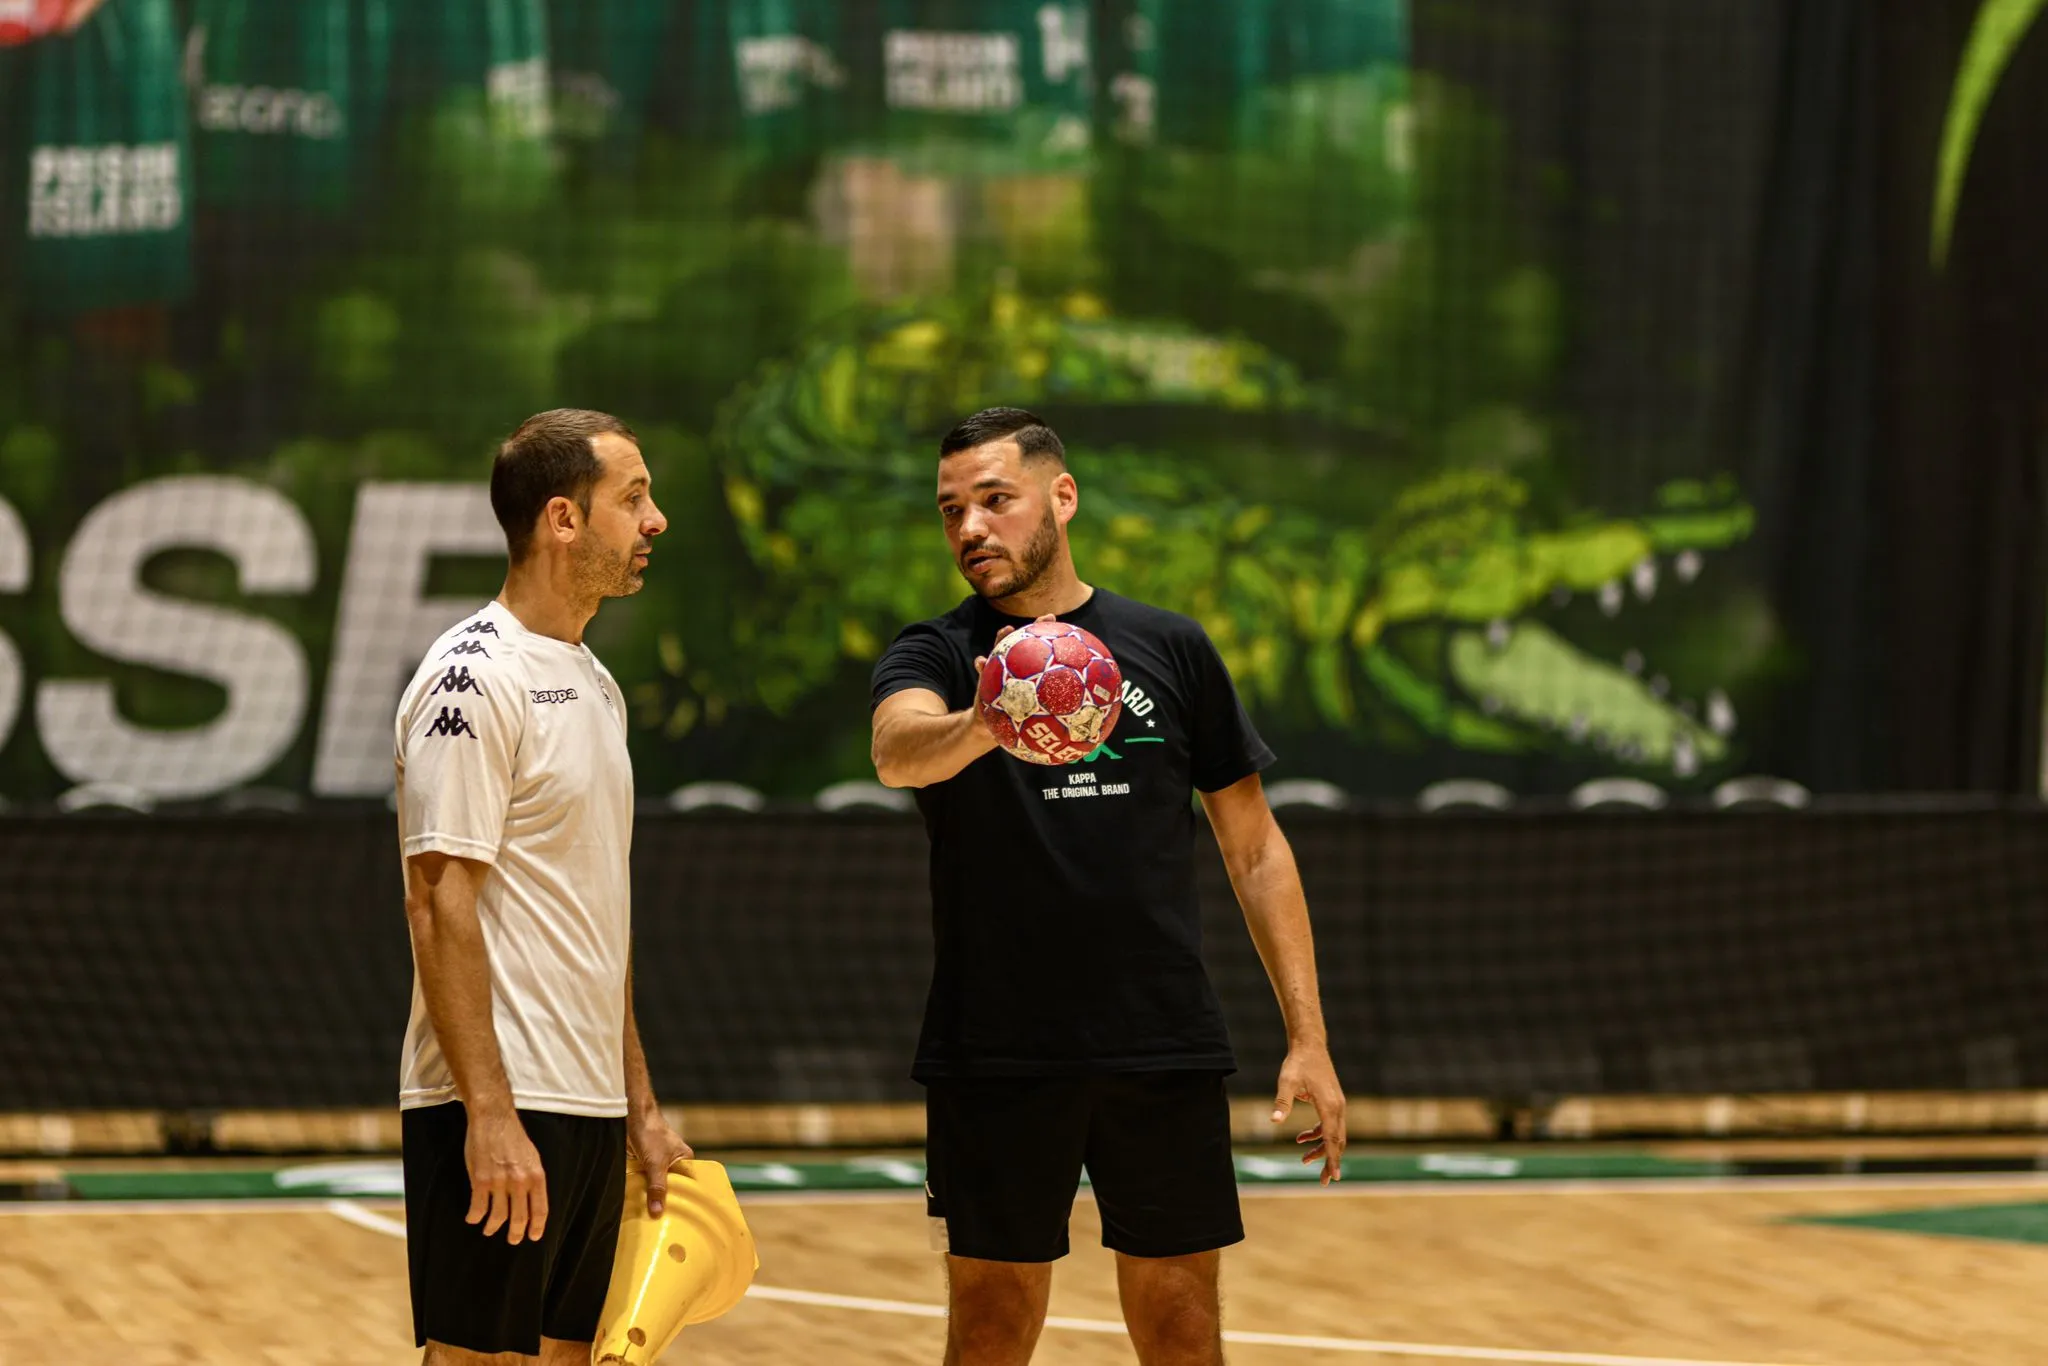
(281, 276)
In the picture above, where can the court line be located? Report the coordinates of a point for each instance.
(349, 1212)
(377, 1223)
(1700, 1185)
(1666, 1185)
(305, 1204)
(1362, 1346)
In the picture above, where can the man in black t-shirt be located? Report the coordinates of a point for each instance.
(1070, 1022)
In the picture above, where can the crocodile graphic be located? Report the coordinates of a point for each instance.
(1442, 605)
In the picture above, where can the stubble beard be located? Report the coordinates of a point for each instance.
(1031, 562)
(598, 574)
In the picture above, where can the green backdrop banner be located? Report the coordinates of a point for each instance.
(1425, 387)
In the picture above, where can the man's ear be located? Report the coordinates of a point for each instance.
(1066, 497)
(561, 518)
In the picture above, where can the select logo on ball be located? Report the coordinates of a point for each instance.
(1050, 693)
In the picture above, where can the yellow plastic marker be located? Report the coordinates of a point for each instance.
(689, 1266)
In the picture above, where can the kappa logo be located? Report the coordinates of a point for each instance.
(485, 628)
(457, 680)
(451, 723)
(554, 694)
(466, 647)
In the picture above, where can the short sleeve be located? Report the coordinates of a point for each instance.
(458, 738)
(1227, 748)
(919, 657)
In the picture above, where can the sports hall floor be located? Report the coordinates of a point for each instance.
(1610, 1268)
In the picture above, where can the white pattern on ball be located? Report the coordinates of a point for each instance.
(1085, 724)
(1019, 700)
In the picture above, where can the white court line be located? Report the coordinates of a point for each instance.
(308, 1204)
(1686, 1185)
(1358, 1345)
(1667, 1185)
(1648, 1185)
(352, 1213)
(377, 1223)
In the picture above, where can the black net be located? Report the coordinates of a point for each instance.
(263, 963)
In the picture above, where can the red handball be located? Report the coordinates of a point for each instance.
(1050, 693)
(24, 21)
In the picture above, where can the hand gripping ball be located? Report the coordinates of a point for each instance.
(1050, 693)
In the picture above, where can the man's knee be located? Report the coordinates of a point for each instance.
(995, 1310)
(1173, 1308)
(1184, 1332)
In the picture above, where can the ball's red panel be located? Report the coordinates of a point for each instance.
(1026, 655)
(1051, 673)
(1072, 650)
(1060, 690)
(1105, 681)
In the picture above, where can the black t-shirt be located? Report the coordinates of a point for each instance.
(1068, 938)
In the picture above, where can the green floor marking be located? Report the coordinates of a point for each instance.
(228, 1185)
(382, 1178)
(2014, 1223)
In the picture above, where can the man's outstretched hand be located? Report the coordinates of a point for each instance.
(1308, 1074)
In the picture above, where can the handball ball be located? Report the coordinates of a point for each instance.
(24, 21)
(1050, 693)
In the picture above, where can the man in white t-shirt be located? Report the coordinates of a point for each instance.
(523, 1085)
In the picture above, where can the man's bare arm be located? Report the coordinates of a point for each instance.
(1268, 885)
(455, 974)
(652, 1142)
(506, 1181)
(640, 1102)
(917, 742)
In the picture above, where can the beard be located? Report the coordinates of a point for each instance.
(599, 573)
(1028, 565)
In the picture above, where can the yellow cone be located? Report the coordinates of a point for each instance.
(688, 1266)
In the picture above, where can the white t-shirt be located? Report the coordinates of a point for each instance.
(512, 751)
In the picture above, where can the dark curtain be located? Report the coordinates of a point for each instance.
(1802, 416)
(1963, 360)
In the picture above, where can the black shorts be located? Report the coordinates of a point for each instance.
(483, 1293)
(1004, 1156)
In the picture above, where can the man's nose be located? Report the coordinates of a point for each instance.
(656, 522)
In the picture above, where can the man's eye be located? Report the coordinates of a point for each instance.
(996, 499)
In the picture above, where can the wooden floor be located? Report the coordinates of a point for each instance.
(1597, 1274)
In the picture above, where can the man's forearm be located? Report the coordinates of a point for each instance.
(917, 749)
(1269, 889)
(455, 978)
(640, 1102)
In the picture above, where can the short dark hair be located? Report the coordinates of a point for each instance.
(1036, 440)
(549, 457)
